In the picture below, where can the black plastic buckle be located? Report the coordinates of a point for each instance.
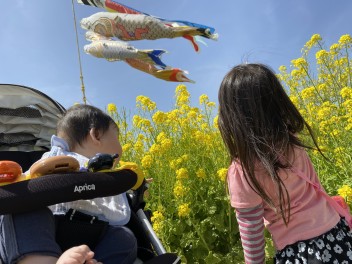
(75, 215)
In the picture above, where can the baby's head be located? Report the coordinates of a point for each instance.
(88, 131)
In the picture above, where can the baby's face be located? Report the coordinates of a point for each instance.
(110, 143)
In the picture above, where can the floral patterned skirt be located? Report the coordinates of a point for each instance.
(335, 246)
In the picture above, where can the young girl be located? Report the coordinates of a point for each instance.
(260, 125)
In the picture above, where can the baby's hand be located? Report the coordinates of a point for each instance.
(149, 180)
(78, 255)
(146, 192)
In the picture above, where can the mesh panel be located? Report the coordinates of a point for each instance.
(26, 111)
(14, 139)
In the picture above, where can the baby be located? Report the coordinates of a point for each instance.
(41, 236)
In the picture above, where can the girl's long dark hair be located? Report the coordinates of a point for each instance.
(258, 123)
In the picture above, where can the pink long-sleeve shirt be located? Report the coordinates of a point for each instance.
(311, 214)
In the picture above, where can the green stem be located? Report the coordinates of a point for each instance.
(348, 67)
(330, 72)
(314, 85)
(202, 238)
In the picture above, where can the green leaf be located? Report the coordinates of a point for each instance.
(213, 258)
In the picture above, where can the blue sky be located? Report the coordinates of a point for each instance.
(38, 47)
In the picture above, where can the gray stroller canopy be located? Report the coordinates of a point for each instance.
(28, 118)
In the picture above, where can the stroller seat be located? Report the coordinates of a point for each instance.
(28, 118)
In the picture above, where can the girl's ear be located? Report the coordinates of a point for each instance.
(94, 136)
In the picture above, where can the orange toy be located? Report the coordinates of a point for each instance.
(10, 172)
(52, 165)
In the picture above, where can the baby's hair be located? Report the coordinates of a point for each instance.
(259, 123)
(78, 120)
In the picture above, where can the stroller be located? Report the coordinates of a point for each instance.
(28, 118)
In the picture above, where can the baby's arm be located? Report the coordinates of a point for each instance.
(77, 255)
(251, 225)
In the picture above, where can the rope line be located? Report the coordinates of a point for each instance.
(79, 56)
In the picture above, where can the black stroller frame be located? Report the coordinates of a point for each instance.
(18, 143)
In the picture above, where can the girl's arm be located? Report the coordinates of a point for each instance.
(251, 226)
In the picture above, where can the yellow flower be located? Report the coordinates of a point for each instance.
(145, 103)
(339, 150)
(322, 87)
(282, 68)
(299, 63)
(147, 161)
(345, 39)
(154, 149)
(204, 126)
(192, 114)
(308, 92)
(334, 132)
(157, 220)
(158, 227)
(346, 92)
(347, 104)
(321, 55)
(324, 126)
(334, 48)
(182, 173)
(174, 163)
(138, 146)
(345, 191)
(199, 136)
(324, 112)
(157, 216)
(112, 108)
(201, 173)
(126, 147)
(313, 41)
(166, 144)
(315, 38)
(296, 73)
(222, 174)
(180, 160)
(185, 108)
(182, 95)
(123, 125)
(341, 62)
(181, 88)
(159, 117)
(182, 99)
(211, 104)
(294, 100)
(141, 137)
(136, 120)
(349, 126)
(161, 137)
(215, 121)
(203, 99)
(184, 210)
(144, 123)
(179, 189)
(173, 115)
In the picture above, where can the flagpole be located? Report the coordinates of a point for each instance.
(79, 55)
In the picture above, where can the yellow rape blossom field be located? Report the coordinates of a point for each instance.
(183, 152)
